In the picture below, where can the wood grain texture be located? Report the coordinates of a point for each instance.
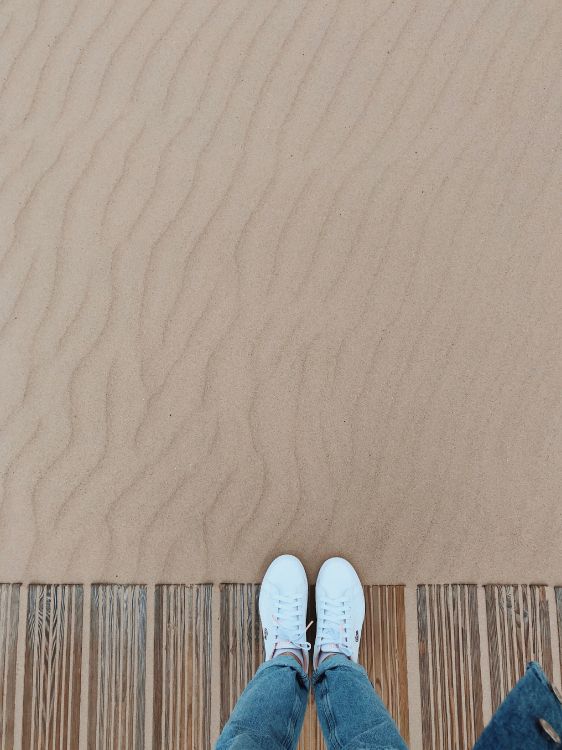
(286, 272)
(558, 599)
(53, 667)
(383, 652)
(9, 619)
(116, 691)
(450, 666)
(182, 667)
(450, 662)
(518, 632)
(241, 642)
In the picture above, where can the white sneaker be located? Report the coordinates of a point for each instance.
(340, 610)
(283, 602)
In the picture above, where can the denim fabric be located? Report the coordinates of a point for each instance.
(515, 725)
(270, 712)
(352, 715)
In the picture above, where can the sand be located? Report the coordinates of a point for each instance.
(280, 277)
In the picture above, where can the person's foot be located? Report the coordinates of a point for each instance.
(283, 602)
(340, 610)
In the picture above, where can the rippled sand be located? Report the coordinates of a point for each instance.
(280, 276)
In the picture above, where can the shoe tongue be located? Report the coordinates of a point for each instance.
(330, 648)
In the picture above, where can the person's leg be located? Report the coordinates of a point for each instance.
(530, 717)
(352, 715)
(270, 712)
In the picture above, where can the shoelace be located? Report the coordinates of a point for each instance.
(333, 623)
(288, 627)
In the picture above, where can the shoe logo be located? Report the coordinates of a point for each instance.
(265, 633)
(356, 636)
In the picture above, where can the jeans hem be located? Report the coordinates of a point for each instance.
(337, 661)
(286, 661)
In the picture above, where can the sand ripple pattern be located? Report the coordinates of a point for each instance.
(279, 275)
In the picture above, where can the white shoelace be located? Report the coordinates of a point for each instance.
(288, 623)
(333, 626)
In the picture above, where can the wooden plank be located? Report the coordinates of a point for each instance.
(558, 598)
(518, 632)
(9, 620)
(182, 667)
(53, 667)
(241, 646)
(383, 652)
(450, 672)
(116, 712)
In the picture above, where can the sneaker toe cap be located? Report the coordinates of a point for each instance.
(338, 577)
(286, 574)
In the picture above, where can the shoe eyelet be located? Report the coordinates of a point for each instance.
(549, 730)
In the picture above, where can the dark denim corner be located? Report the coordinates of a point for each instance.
(516, 724)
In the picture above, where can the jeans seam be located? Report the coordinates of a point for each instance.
(330, 718)
(288, 742)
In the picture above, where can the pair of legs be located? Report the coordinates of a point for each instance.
(270, 712)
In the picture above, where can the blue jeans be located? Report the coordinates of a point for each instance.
(270, 712)
(516, 723)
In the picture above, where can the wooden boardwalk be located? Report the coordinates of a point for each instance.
(133, 667)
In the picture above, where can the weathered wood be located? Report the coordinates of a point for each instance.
(518, 632)
(241, 646)
(383, 652)
(558, 598)
(182, 667)
(450, 672)
(518, 629)
(53, 667)
(9, 619)
(117, 667)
